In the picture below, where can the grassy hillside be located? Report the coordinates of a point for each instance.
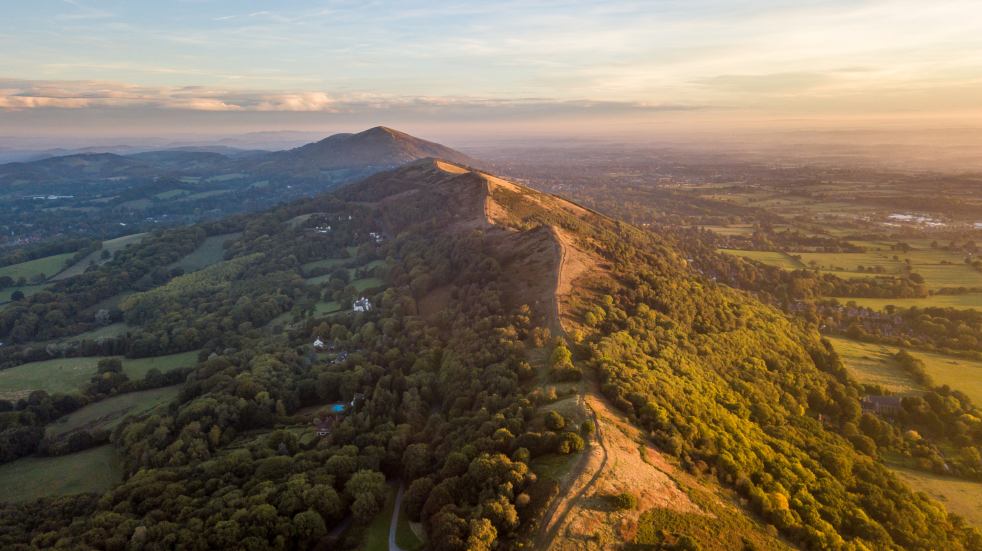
(72, 374)
(93, 470)
(107, 414)
(48, 266)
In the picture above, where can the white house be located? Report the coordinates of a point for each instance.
(376, 236)
(362, 305)
(319, 344)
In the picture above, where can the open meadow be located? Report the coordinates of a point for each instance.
(33, 269)
(92, 470)
(871, 363)
(106, 414)
(962, 497)
(71, 374)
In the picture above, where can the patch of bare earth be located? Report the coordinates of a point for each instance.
(633, 466)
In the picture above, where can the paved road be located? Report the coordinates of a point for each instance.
(393, 546)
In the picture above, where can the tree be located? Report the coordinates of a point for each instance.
(309, 527)
(482, 535)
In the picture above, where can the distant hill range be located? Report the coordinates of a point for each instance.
(372, 150)
(105, 194)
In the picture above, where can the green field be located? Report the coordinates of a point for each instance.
(869, 363)
(367, 283)
(773, 258)
(106, 414)
(326, 263)
(210, 252)
(324, 308)
(962, 497)
(226, 177)
(93, 470)
(49, 266)
(111, 245)
(736, 229)
(136, 204)
(28, 290)
(205, 194)
(377, 531)
(111, 330)
(72, 374)
(405, 537)
(968, 301)
(872, 364)
(171, 194)
(940, 269)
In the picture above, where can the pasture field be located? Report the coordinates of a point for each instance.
(850, 262)
(49, 266)
(205, 194)
(28, 290)
(735, 229)
(226, 177)
(958, 373)
(872, 364)
(71, 374)
(298, 220)
(111, 245)
(92, 470)
(377, 531)
(772, 258)
(210, 252)
(940, 269)
(962, 497)
(325, 263)
(965, 302)
(106, 414)
(171, 194)
(869, 363)
(111, 330)
(406, 538)
(367, 283)
(136, 204)
(324, 308)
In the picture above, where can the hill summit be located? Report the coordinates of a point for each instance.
(379, 147)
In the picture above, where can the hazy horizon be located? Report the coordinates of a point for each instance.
(635, 70)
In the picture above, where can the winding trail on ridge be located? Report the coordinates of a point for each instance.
(559, 509)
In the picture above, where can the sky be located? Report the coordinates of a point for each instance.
(133, 67)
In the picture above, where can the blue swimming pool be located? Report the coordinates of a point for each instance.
(338, 408)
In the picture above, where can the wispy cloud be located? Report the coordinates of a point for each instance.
(19, 95)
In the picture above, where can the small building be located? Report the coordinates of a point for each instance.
(884, 405)
(318, 344)
(362, 305)
(324, 426)
(376, 236)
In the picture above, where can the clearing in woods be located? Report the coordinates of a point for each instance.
(69, 375)
(95, 258)
(967, 301)
(211, 251)
(92, 470)
(873, 363)
(106, 414)
(962, 497)
(34, 269)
